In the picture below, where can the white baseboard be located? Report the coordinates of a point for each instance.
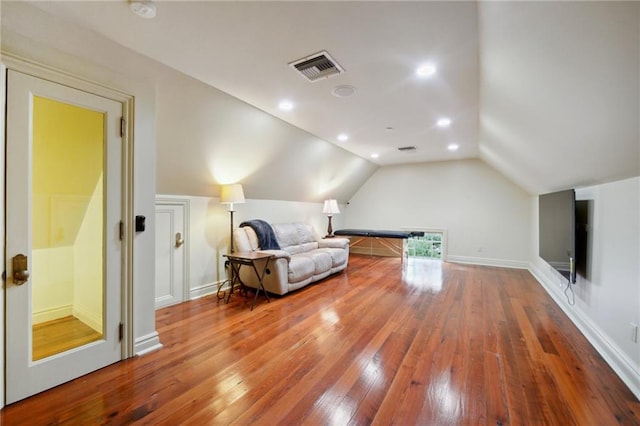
(205, 290)
(617, 360)
(52, 314)
(146, 344)
(501, 263)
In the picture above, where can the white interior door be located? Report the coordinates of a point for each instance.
(63, 247)
(170, 254)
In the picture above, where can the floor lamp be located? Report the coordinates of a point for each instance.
(231, 194)
(330, 208)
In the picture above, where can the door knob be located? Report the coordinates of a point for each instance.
(179, 240)
(20, 271)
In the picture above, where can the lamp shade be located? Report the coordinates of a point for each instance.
(330, 207)
(230, 194)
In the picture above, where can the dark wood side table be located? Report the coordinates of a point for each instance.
(252, 259)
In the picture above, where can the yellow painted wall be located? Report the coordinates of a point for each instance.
(67, 211)
(67, 163)
(88, 298)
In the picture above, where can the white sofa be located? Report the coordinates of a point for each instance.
(304, 257)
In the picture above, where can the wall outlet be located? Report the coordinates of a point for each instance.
(633, 329)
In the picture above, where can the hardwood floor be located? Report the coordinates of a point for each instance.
(59, 335)
(440, 344)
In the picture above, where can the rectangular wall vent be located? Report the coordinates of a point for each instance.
(317, 67)
(407, 148)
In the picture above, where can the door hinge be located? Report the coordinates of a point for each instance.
(120, 331)
(123, 125)
(121, 230)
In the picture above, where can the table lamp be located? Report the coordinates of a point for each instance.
(330, 208)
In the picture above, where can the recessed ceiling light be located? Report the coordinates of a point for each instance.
(342, 137)
(375, 155)
(285, 105)
(426, 70)
(444, 122)
(453, 147)
(343, 91)
(144, 9)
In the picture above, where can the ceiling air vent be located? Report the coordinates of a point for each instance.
(407, 149)
(317, 66)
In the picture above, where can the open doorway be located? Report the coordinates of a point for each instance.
(428, 246)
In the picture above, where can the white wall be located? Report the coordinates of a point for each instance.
(607, 301)
(209, 228)
(486, 216)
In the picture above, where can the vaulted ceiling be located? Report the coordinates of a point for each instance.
(546, 92)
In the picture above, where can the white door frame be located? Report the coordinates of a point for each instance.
(47, 73)
(185, 204)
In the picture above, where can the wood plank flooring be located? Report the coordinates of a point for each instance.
(59, 335)
(435, 344)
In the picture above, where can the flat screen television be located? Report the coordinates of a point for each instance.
(557, 231)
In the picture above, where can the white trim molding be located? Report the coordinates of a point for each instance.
(207, 289)
(52, 314)
(501, 263)
(147, 344)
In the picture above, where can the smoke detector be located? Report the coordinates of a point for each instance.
(343, 91)
(144, 9)
(317, 66)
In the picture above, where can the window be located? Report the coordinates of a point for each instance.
(429, 246)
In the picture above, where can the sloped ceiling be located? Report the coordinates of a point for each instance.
(545, 92)
(560, 92)
(244, 49)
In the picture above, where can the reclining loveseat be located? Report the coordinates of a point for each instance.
(301, 257)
